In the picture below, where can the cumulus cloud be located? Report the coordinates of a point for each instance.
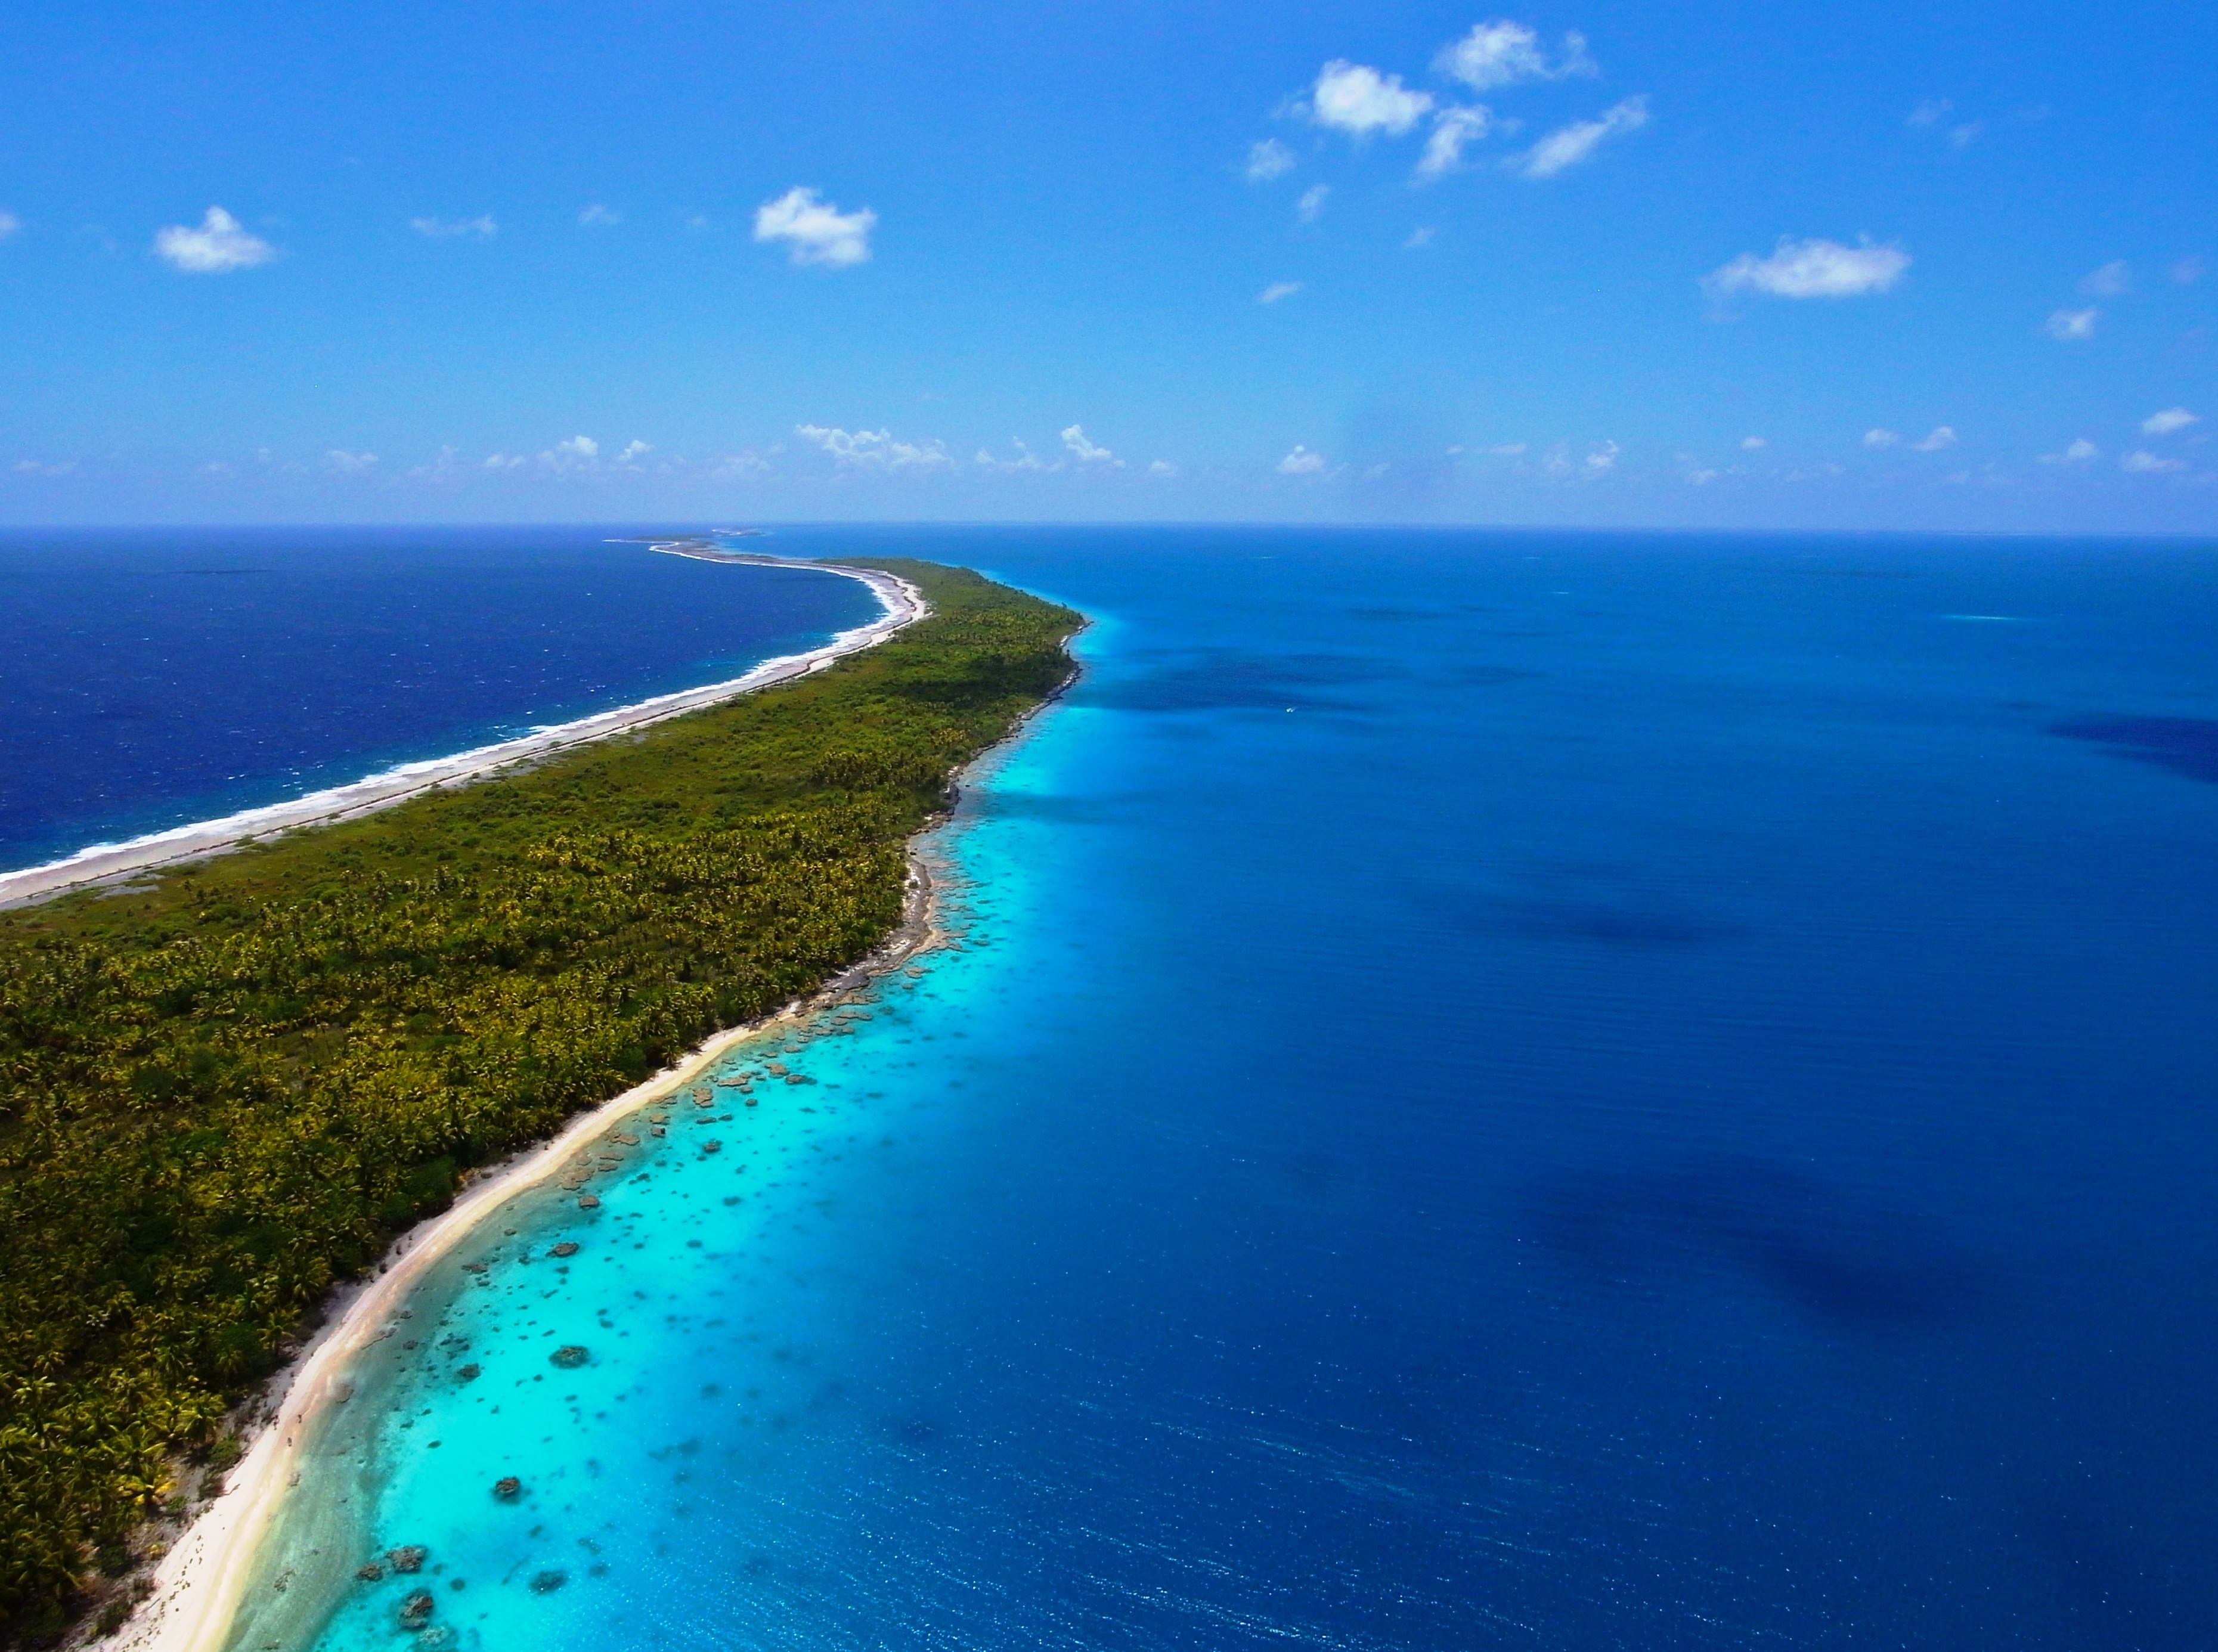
(1311, 206)
(598, 217)
(498, 461)
(1453, 128)
(1267, 159)
(2070, 324)
(1087, 453)
(634, 451)
(1500, 52)
(2112, 279)
(1025, 459)
(220, 243)
(1567, 146)
(577, 447)
(2077, 452)
(1420, 237)
(1881, 439)
(1301, 463)
(818, 231)
(349, 464)
(2142, 462)
(2170, 419)
(1813, 269)
(1752, 443)
(875, 448)
(1162, 468)
(1276, 290)
(1358, 100)
(448, 229)
(1940, 438)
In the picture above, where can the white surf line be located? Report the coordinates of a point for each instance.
(112, 863)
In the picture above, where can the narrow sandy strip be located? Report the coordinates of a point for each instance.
(200, 1583)
(116, 863)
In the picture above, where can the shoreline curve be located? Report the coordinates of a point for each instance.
(107, 864)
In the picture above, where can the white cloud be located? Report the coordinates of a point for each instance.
(1568, 146)
(1601, 460)
(1267, 159)
(1961, 137)
(2170, 419)
(1162, 468)
(1453, 128)
(598, 217)
(2069, 325)
(819, 232)
(349, 464)
(633, 451)
(505, 461)
(1087, 452)
(2145, 463)
(1311, 206)
(447, 229)
(45, 466)
(1351, 98)
(2112, 279)
(1930, 111)
(1025, 459)
(1276, 290)
(2077, 452)
(875, 448)
(578, 448)
(1500, 52)
(1940, 439)
(1881, 439)
(219, 243)
(1702, 478)
(1752, 443)
(1420, 237)
(1301, 463)
(1813, 269)
(9, 224)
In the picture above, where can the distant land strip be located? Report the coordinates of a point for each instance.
(119, 863)
(224, 1094)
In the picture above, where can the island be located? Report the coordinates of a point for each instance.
(224, 1092)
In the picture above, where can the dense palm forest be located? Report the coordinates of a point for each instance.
(221, 1095)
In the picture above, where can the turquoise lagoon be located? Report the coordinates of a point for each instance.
(1497, 1090)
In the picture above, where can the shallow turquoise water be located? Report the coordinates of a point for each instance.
(1523, 1091)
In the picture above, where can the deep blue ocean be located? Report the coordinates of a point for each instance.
(1495, 1090)
(149, 679)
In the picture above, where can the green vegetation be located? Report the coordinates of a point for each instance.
(221, 1095)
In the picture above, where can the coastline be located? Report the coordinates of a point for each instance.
(105, 863)
(201, 1582)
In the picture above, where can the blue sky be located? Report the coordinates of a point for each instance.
(1822, 265)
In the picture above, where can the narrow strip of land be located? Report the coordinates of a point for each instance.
(119, 863)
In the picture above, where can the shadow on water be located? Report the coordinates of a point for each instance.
(1816, 1243)
(1230, 680)
(2187, 745)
